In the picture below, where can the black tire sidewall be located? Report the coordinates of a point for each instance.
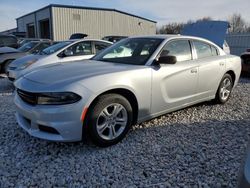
(218, 97)
(96, 108)
(5, 66)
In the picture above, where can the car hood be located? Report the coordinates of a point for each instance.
(5, 50)
(214, 31)
(74, 71)
(23, 60)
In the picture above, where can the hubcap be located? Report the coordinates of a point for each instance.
(112, 121)
(225, 89)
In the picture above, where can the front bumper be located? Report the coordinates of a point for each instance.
(51, 122)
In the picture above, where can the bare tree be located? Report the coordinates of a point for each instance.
(237, 24)
(171, 28)
(175, 28)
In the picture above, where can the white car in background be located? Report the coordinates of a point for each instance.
(65, 51)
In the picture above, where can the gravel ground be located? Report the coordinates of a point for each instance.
(201, 146)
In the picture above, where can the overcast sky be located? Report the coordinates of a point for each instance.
(162, 11)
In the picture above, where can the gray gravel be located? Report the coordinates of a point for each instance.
(201, 146)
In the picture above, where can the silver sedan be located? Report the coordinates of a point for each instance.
(132, 81)
(65, 51)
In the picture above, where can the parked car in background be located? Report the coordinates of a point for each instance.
(8, 41)
(104, 96)
(66, 51)
(78, 36)
(23, 41)
(244, 177)
(7, 54)
(245, 57)
(114, 39)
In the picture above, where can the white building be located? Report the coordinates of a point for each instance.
(58, 22)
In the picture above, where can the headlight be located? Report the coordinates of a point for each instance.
(57, 98)
(27, 64)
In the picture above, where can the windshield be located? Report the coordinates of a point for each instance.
(54, 48)
(28, 46)
(134, 51)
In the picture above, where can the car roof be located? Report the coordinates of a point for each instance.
(170, 36)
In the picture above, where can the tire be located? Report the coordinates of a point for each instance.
(109, 120)
(224, 90)
(5, 66)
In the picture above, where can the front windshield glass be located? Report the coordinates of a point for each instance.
(28, 46)
(134, 51)
(54, 48)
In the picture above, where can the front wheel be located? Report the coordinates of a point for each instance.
(109, 120)
(6, 65)
(225, 89)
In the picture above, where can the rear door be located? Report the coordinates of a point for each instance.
(175, 85)
(211, 68)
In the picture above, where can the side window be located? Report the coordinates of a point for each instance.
(214, 51)
(99, 46)
(179, 48)
(81, 48)
(40, 47)
(204, 50)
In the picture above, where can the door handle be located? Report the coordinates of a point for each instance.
(194, 71)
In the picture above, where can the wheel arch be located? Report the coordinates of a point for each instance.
(233, 75)
(128, 94)
(2, 65)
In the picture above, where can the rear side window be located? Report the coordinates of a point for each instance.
(81, 48)
(179, 48)
(204, 50)
(99, 46)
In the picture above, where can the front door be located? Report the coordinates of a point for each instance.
(175, 85)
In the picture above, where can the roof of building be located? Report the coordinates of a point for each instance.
(88, 8)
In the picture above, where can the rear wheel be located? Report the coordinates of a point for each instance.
(225, 89)
(109, 119)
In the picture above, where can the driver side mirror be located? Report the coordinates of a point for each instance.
(167, 60)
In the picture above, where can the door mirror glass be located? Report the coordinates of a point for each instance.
(167, 60)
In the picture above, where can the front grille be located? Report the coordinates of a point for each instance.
(30, 98)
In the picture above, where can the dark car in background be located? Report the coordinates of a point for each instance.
(78, 36)
(114, 38)
(23, 41)
(244, 177)
(245, 59)
(8, 41)
(7, 54)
